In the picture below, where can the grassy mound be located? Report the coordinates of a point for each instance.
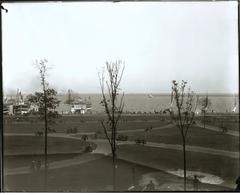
(34, 145)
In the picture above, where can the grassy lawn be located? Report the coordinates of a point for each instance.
(92, 176)
(10, 162)
(82, 126)
(97, 175)
(196, 136)
(164, 159)
(33, 145)
(227, 125)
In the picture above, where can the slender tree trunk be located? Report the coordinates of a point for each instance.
(1, 103)
(114, 170)
(133, 173)
(204, 116)
(238, 87)
(45, 142)
(184, 163)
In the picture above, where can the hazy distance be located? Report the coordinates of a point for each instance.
(157, 41)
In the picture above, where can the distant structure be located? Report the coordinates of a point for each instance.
(18, 105)
(70, 99)
(81, 106)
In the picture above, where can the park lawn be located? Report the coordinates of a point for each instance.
(82, 126)
(34, 145)
(89, 117)
(15, 161)
(165, 159)
(228, 125)
(196, 136)
(92, 176)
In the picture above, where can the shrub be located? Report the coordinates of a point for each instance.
(74, 130)
(99, 132)
(88, 148)
(84, 137)
(122, 138)
(140, 141)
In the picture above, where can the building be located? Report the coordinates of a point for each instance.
(81, 106)
(5, 109)
(18, 105)
(20, 109)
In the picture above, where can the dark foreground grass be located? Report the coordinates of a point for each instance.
(34, 145)
(197, 136)
(92, 176)
(224, 167)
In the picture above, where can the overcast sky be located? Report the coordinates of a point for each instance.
(159, 42)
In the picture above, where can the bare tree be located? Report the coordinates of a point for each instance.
(113, 105)
(42, 68)
(205, 104)
(183, 113)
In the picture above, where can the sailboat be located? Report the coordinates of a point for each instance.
(170, 108)
(235, 105)
(150, 96)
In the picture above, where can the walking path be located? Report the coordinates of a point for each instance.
(142, 130)
(104, 148)
(218, 129)
(56, 164)
(87, 133)
(191, 148)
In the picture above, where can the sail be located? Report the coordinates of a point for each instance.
(235, 105)
(150, 96)
(234, 109)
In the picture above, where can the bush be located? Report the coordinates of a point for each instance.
(51, 130)
(88, 148)
(140, 141)
(99, 132)
(84, 137)
(122, 138)
(74, 130)
(39, 133)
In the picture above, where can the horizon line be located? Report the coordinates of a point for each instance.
(128, 93)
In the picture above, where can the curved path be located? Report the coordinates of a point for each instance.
(56, 164)
(218, 129)
(103, 148)
(191, 148)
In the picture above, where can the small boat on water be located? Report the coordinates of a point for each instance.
(150, 96)
(235, 105)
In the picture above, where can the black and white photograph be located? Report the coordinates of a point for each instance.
(120, 96)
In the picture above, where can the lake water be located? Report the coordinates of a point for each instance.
(157, 102)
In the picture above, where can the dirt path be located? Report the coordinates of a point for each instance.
(104, 149)
(56, 164)
(218, 129)
(197, 149)
(142, 130)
